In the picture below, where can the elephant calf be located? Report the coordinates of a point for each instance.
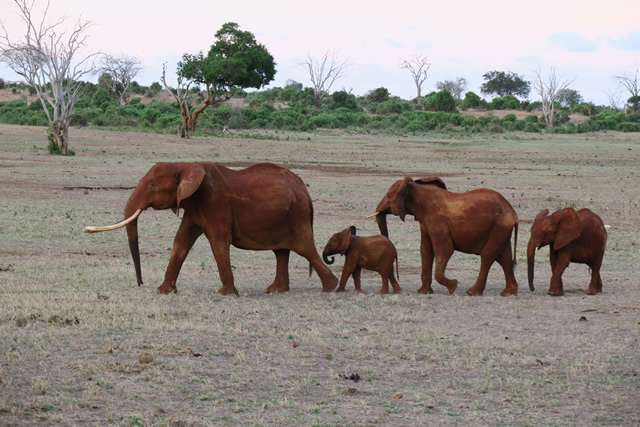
(375, 253)
(573, 236)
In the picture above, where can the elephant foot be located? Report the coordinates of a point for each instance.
(554, 293)
(329, 284)
(508, 292)
(452, 286)
(383, 291)
(425, 290)
(228, 290)
(167, 289)
(397, 290)
(340, 289)
(474, 292)
(593, 291)
(276, 287)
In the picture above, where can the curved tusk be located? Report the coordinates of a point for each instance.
(121, 224)
(372, 215)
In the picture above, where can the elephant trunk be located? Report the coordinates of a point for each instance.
(325, 256)
(381, 219)
(132, 235)
(531, 254)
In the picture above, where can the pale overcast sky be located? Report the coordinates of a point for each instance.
(589, 40)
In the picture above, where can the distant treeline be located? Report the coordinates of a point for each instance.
(295, 108)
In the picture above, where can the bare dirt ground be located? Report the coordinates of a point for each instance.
(80, 343)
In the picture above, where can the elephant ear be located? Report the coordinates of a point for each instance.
(345, 239)
(431, 180)
(191, 176)
(352, 229)
(401, 197)
(569, 227)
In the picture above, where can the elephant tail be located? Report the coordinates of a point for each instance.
(515, 243)
(310, 270)
(397, 268)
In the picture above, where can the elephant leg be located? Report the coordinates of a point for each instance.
(221, 255)
(481, 282)
(559, 262)
(595, 285)
(309, 252)
(186, 236)
(385, 283)
(348, 270)
(506, 262)
(426, 254)
(394, 283)
(443, 254)
(356, 279)
(281, 281)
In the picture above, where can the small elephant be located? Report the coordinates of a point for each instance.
(574, 236)
(375, 253)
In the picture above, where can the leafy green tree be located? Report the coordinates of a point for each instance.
(235, 60)
(501, 84)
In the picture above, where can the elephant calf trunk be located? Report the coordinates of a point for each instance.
(325, 257)
(531, 253)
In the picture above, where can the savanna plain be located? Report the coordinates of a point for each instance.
(81, 343)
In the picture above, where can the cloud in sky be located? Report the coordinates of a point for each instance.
(573, 42)
(629, 42)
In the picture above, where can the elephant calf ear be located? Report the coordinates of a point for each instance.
(569, 227)
(191, 176)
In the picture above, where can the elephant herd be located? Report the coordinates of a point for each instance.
(267, 207)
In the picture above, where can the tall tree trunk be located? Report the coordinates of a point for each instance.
(60, 135)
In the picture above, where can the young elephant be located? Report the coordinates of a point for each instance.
(375, 253)
(574, 236)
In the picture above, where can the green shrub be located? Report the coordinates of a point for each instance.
(509, 118)
(507, 102)
(380, 94)
(471, 100)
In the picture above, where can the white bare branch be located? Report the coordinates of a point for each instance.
(549, 90)
(629, 82)
(122, 71)
(45, 58)
(324, 73)
(418, 66)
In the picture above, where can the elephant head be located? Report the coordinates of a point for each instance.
(397, 200)
(165, 186)
(338, 244)
(558, 229)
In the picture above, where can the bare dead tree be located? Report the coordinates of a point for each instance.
(418, 66)
(629, 82)
(45, 59)
(549, 90)
(615, 99)
(324, 73)
(455, 87)
(122, 70)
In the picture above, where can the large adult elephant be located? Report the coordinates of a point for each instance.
(262, 207)
(476, 222)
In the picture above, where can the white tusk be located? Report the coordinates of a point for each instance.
(372, 215)
(607, 226)
(114, 226)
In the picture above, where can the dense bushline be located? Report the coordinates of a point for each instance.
(295, 108)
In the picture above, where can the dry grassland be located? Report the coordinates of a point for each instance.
(80, 343)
